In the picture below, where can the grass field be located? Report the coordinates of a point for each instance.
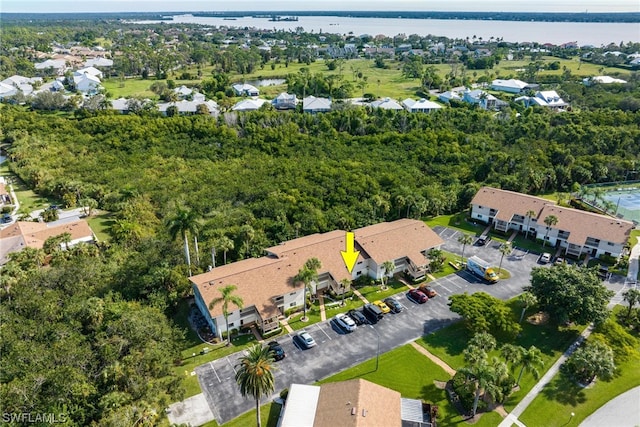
(561, 397)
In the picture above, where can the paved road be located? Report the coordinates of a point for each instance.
(623, 411)
(337, 351)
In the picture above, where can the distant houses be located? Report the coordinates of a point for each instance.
(249, 105)
(547, 99)
(512, 86)
(386, 104)
(313, 105)
(420, 106)
(285, 101)
(243, 89)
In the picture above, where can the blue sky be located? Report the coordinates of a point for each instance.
(233, 5)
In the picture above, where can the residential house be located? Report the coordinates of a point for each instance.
(7, 91)
(605, 80)
(99, 62)
(20, 84)
(512, 85)
(185, 107)
(183, 92)
(285, 101)
(480, 98)
(311, 104)
(576, 232)
(420, 106)
(249, 104)
(266, 284)
(86, 83)
(22, 234)
(59, 66)
(243, 89)
(386, 104)
(92, 71)
(355, 402)
(548, 99)
(449, 95)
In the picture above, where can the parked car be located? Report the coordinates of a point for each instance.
(428, 291)
(276, 350)
(306, 340)
(393, 304)
(372, 313)
(559, 261)
(545, 258)
(345, 322)
(385, 309)
(483, 240)
(417, 296)
(357, 317)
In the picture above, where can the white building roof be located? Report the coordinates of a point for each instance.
(511, 83)
(185, 106)
(607, 80)
(551, 98)
(386, 104)
(419, 105)
(92, 71)
(51, 63)
(17, 80)
(311, 103)
(449, 95)
(99, 62)
(7, 90)
(249, 105)
(244, 88)
(301, 405)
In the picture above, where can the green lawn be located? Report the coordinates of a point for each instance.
(457, 221)
(269, 414)
(193, 351)
(127, 88)
(411, 374)
(101, 224)
(448, 344)
(562, 396)
(29, 201)
(375, 293)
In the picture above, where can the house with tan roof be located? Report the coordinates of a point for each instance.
(353, 403)
(267, 285)
(576, 232)
(22, 234)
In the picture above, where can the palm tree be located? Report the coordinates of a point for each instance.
(512, 353)
(529, 360)
(184, 221)
(527, 299)
(254, 375)
(226, 299)
(307, 274)
(484, 376)
(248, 233)
(632, 296)
(388, 267)
(549, 221)
(225, 244)
(505, 249)
(484, 341)
(464, 240)
(530, 214)
(344, 285)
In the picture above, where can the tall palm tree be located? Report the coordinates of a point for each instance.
(254, 375)
(184, 221)
(484, 341)
(307, 274)
(226, 299)
(505, 249)
(549, 221)
(527, 299)
(388, 267)
(529, 360)
(225, 244)
(512, 353)
(483, 375)
(345, 284)
(248, 233)
(464, 240)
(530, 214)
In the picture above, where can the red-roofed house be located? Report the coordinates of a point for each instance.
(266, 284)
(577, 232)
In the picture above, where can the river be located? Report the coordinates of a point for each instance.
(585, 33)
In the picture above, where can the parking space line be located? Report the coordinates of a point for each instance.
(447, 289)
(232, 367)
(214, 371)
(323, 331)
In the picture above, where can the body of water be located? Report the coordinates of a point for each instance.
(585, 33)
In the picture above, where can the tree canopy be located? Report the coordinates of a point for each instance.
(570, 294)
(484, 313)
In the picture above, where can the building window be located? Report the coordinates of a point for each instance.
(358, 273)
(293, 304)
(479, 216)
(610, 243)
(292, 294)
(231, 324)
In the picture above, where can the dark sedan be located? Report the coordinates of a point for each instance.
(357, 317)
(393, 304)
(276, 350)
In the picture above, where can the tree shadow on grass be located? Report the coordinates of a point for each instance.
(431, 393)
(565, 391)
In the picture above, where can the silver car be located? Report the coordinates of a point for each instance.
(306, 339)
(345, 322)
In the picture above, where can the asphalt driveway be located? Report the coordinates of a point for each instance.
(337, 351)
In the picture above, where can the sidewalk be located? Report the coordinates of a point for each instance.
(359, 295)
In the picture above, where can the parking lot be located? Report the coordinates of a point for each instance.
(336, 351)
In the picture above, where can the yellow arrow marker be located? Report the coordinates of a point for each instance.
(349, 256)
